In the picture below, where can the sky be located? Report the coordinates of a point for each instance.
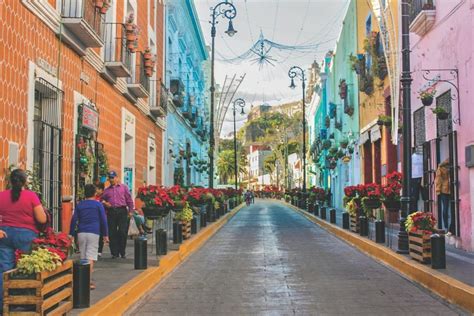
(288, 22)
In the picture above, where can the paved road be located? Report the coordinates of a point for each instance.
(269, 260)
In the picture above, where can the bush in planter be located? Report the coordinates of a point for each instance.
(440, 113)
(427, 97)
(185, 215)
(384, 120)
(371, 198)
(39, 260)
(420, 221)
(58, 243)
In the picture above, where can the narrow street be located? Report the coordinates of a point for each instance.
(269, 260)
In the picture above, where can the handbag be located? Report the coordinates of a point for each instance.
(132, 228)
(42, 227)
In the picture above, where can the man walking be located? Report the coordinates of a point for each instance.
(119, 204)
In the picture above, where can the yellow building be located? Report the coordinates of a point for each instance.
(377, 68)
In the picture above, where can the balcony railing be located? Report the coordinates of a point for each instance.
(139, 83)
(84, 21)
(177, 90)
(158, 99)
(117, 58)
(422, 16)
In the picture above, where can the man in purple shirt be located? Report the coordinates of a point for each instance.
(119, 203)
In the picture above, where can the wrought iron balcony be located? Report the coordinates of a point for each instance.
(139, 83)
(177, 90)
(159, 100)
(117, 58)
(422, 16)
(83, 24)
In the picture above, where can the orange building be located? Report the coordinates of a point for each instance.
(80, 94)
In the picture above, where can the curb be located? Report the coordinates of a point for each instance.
(452, 290)
(120, 300)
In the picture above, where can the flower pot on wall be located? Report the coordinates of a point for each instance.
(427, 101)
(442, 116)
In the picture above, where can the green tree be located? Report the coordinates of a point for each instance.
(225, 166)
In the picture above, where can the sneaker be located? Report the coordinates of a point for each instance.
(123, 257)
(449, 234)
(114, 257)
(99, 254)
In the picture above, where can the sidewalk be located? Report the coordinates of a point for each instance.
(459, 263)
(110, 274)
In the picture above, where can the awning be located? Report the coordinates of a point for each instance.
(375, 134)
(364, 138)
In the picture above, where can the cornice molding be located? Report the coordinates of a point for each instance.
(45, 12)
(94, 59)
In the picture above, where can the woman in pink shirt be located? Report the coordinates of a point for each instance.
(20, 211)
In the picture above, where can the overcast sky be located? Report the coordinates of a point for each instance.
(288, 22)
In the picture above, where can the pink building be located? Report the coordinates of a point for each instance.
(442, 37)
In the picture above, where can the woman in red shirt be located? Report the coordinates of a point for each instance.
(20, 211)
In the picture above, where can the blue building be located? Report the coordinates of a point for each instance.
(186, 55)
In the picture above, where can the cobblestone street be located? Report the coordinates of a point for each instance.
(269, 260)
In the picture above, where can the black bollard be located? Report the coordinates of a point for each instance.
(177, 233)
(332, 216)
(161, 242)
(81, 284)
(364, 226)
(323, 212)
(316, 210)
(345, 220)
(194, 225)
(203, 219)
(141, 260)
(379, 232)
(438, 252)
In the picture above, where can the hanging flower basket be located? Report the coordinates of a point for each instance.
(427, 97)
(392, 205)
(371, 204)
(155, 212)
(440, 113)
(427, 101)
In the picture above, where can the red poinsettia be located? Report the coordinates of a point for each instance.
(351, 191)
(153, 195)
(373, 191)
(392, 190)
(50, 239)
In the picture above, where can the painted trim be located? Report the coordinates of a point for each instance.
(45, 12)
(126, 113)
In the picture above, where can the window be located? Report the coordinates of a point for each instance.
(444, 101)
(419, 126)
(151, 171)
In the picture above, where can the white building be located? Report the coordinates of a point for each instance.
(256, 159)
(295, 175)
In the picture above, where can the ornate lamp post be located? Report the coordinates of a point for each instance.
(229, 11)
(298, 72)
(406, 87)
(237, 103)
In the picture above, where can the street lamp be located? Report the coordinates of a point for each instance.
(229, 11)
(237, 103)
(298, 72)
(406, 87)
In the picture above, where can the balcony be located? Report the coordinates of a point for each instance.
(117, 58)
(422, 16)
(159, 98)
(194, 117)
(177, 90)
(83, 25)
(139, 83)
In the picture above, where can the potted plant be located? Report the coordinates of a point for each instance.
(343, 88)
(185, 217)
(384, 120)
(420, 225)
(327, 144)
(157, 202)
(391, 192)
(344, 143)
(338, 125)
(427, 97)
(178, 195)
(105, 7)
(340, 154)
(350, 150)
(371, 199)
(349, 110)
(147, 55)
(333, 150)
(440, 113)
(99, 3)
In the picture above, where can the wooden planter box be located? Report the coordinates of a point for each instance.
(47, 293)
(420, 246)
(354, 223)
(186, 228)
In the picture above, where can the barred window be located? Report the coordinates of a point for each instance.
(419, 126)
(444, 127)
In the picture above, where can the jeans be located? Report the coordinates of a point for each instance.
(444, 201)
(117, 219)
(17, 239)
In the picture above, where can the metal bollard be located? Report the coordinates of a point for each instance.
(203, 219)
(364, 226)
(177, 233)
(316, 209)
(323, 212)
(194, 227)
(379, 232)
(140, 258)
(332, 216)
(345, 220)
(81, 284)
(438, 252)
(161, 242)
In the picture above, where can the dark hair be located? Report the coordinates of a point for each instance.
(89, 190)
(100, 186)
(17, 180)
